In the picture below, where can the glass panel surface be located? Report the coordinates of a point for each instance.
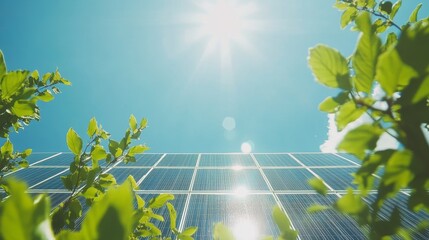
(339, 178)
(327, 224)
(56, 198)
(35, 175)
(409, 219)
(121, 174)
(53, 183)
(351, 157)
(249, 215)
(289, 179)
(230, 180)
(147, 159)
(179, 160)
(321, 159)
(226, 160)
(63, 159)
(168, 179)
(277, 160)
(34, 157)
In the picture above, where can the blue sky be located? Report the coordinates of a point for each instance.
(137, 57)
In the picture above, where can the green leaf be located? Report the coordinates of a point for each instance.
(98, 153)
(133, 183)
(392, 73)
(23, 108)
(137, 150)
(397, 172)
(7, 148)
(221, 232)
(74, 142)
(340, 5)
(317, 208)
(114, 148)
(45, 96)
(12, 82)
(143, 123)
(413, 16)
(107, 180)
(92, 127)
(365, 58)
(360, 139)
(395, 9)
(173, 215)
(350, 203)
(16, 213)
(133, 122)
(363, 23)
(348, 15)
(3, 69)
(329, 67)
(281, 219)
(110, 218)
(422, 92)
(189, 231)
(331, 104)
(348, 113)
(318, 185)
(160, 200)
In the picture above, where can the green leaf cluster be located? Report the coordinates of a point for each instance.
(399, 65)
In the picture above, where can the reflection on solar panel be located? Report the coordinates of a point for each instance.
(236, 189)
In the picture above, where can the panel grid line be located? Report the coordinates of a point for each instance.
(188, 198)
(49, 178)
(345, 159)
(276, 199)
(150, 170)
(42, 160)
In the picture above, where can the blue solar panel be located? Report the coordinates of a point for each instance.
(321, 159)
(147, 160)
(168, 179)
(248, 215)
(56, 198)
(351, 157)
(327, 224)
(34, 175)
(53, 183)
(228, 179)
(121, 174)
(179, 160)
(289, 179)
(226, 160)
(63, 159)
(35, 157)
(268, 160)
(339, 178)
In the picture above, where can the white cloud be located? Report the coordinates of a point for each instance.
(334, 136)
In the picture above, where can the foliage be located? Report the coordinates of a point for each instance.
(400, 66)
(20, 92)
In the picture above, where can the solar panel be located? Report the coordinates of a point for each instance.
(229, 180)
(226, 160)
(232, 188)
(248, 215)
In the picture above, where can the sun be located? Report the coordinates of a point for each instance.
(223, 24)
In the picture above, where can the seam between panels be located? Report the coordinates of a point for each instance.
(42, 160)
(150, 170)
(188, 198)
(346, 159)
(49, 178)
(276, 199)
(314, 174)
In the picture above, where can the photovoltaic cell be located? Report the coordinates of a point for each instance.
(179, 160)
(34, 175)
(322, 159)
(178, 203)
(289, 179)
(147, 160)
(63, 159)
(408, 218)
(327, 224)
(53, 183)
(269, 160)
(230, 180)
(249, 215)
(168, 179)
(351, 157)
(338, 178)
(34, 157)
(121, 174)
(226, 160)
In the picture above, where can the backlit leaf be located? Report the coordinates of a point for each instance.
(160, 200)
(12, 82)
(317, 208)
(98, 153)
(348, 15)
(23, 108)
(221, 232)
(3, 68)
(395, 9)
(360, 139)
(173, 215)
(137, 149)
(46, 96)
(318, 185)
(74, 142)
(133, 122)
(92, 127)
(350, 203)
(348, 113)
(329, 67)
(189, 231)
(331, 104)
(413, 16)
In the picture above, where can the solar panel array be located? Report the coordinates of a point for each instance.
(236, 189)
